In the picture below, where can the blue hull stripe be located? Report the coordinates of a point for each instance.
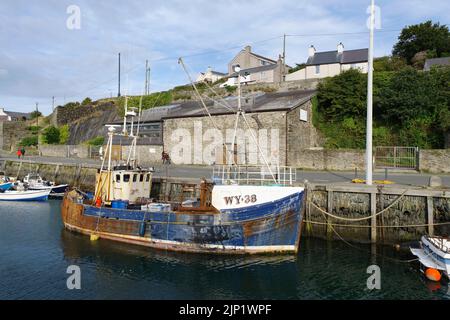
(269, 224)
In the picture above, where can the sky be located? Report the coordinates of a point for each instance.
(69, 49)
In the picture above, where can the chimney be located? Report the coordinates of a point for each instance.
(340, 48)
(311, 51)
(248, 49)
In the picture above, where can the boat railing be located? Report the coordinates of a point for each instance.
(442, 243)
(254, 175)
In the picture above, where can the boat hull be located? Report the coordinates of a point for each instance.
(25, 196)
(54, 189)
(265, 228)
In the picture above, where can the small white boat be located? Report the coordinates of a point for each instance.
(34, 181)
(25, 195)
(434, 253)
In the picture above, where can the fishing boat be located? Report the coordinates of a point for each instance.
(24, 195)
(35, 182)
(228, 217)
(434, 255)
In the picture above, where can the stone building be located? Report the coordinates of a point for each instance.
(255, 68)
(280, 123)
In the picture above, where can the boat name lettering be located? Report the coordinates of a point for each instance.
(240, 199)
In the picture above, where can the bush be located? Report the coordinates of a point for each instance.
(35, 114)
(64, 134)
(51, 135)
(34, 129)
(98, 141)
(86, 102)
(29, 141)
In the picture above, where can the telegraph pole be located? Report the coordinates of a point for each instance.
(284, 58)
(369, 157)
(37, 114)
(118, 94)
(146, 77)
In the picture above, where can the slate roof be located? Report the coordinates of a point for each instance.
(436, 62)
(348, 56)
(259, 102)
(255, 70)
(18, 115)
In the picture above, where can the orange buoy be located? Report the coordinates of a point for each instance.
(98, 202)
(433, 274)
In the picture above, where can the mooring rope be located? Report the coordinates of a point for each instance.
(364, 226)
(364, 218)
(374, 254)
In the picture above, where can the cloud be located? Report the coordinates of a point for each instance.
(43, 58)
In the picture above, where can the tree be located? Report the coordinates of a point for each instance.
(35, 114)
(86, 101)
(343, 96)
(428, 36)
(51, 135)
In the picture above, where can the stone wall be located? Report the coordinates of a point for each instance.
(301, 135)
(68, 115)
(435, 161)
(148, 155)
(11, 133)
(65, 151)
(195, 140)
(324, 159)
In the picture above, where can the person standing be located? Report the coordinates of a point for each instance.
(19, 153)
(23, 152)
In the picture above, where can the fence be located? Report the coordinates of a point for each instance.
(397, 157)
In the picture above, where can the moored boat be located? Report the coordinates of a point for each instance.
(24, 195)
(226, 218)
(434, 254)
(35, 182)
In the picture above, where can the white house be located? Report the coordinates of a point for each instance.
(331, 63)
(13, 116)
(210, 76)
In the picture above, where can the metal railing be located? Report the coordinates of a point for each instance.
(254, 175)
(397, 157)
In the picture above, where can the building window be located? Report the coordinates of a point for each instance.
(317, 69)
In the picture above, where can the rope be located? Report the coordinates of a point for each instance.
(374, 254)
(364, 218)
(360, 226)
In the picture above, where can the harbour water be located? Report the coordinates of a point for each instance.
(36, 252)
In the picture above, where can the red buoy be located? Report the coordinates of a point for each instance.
(433, 274)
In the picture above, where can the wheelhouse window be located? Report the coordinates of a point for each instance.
(126, 178)
(141, 177)
(117, 177)
(147, 179)
(135, 177)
